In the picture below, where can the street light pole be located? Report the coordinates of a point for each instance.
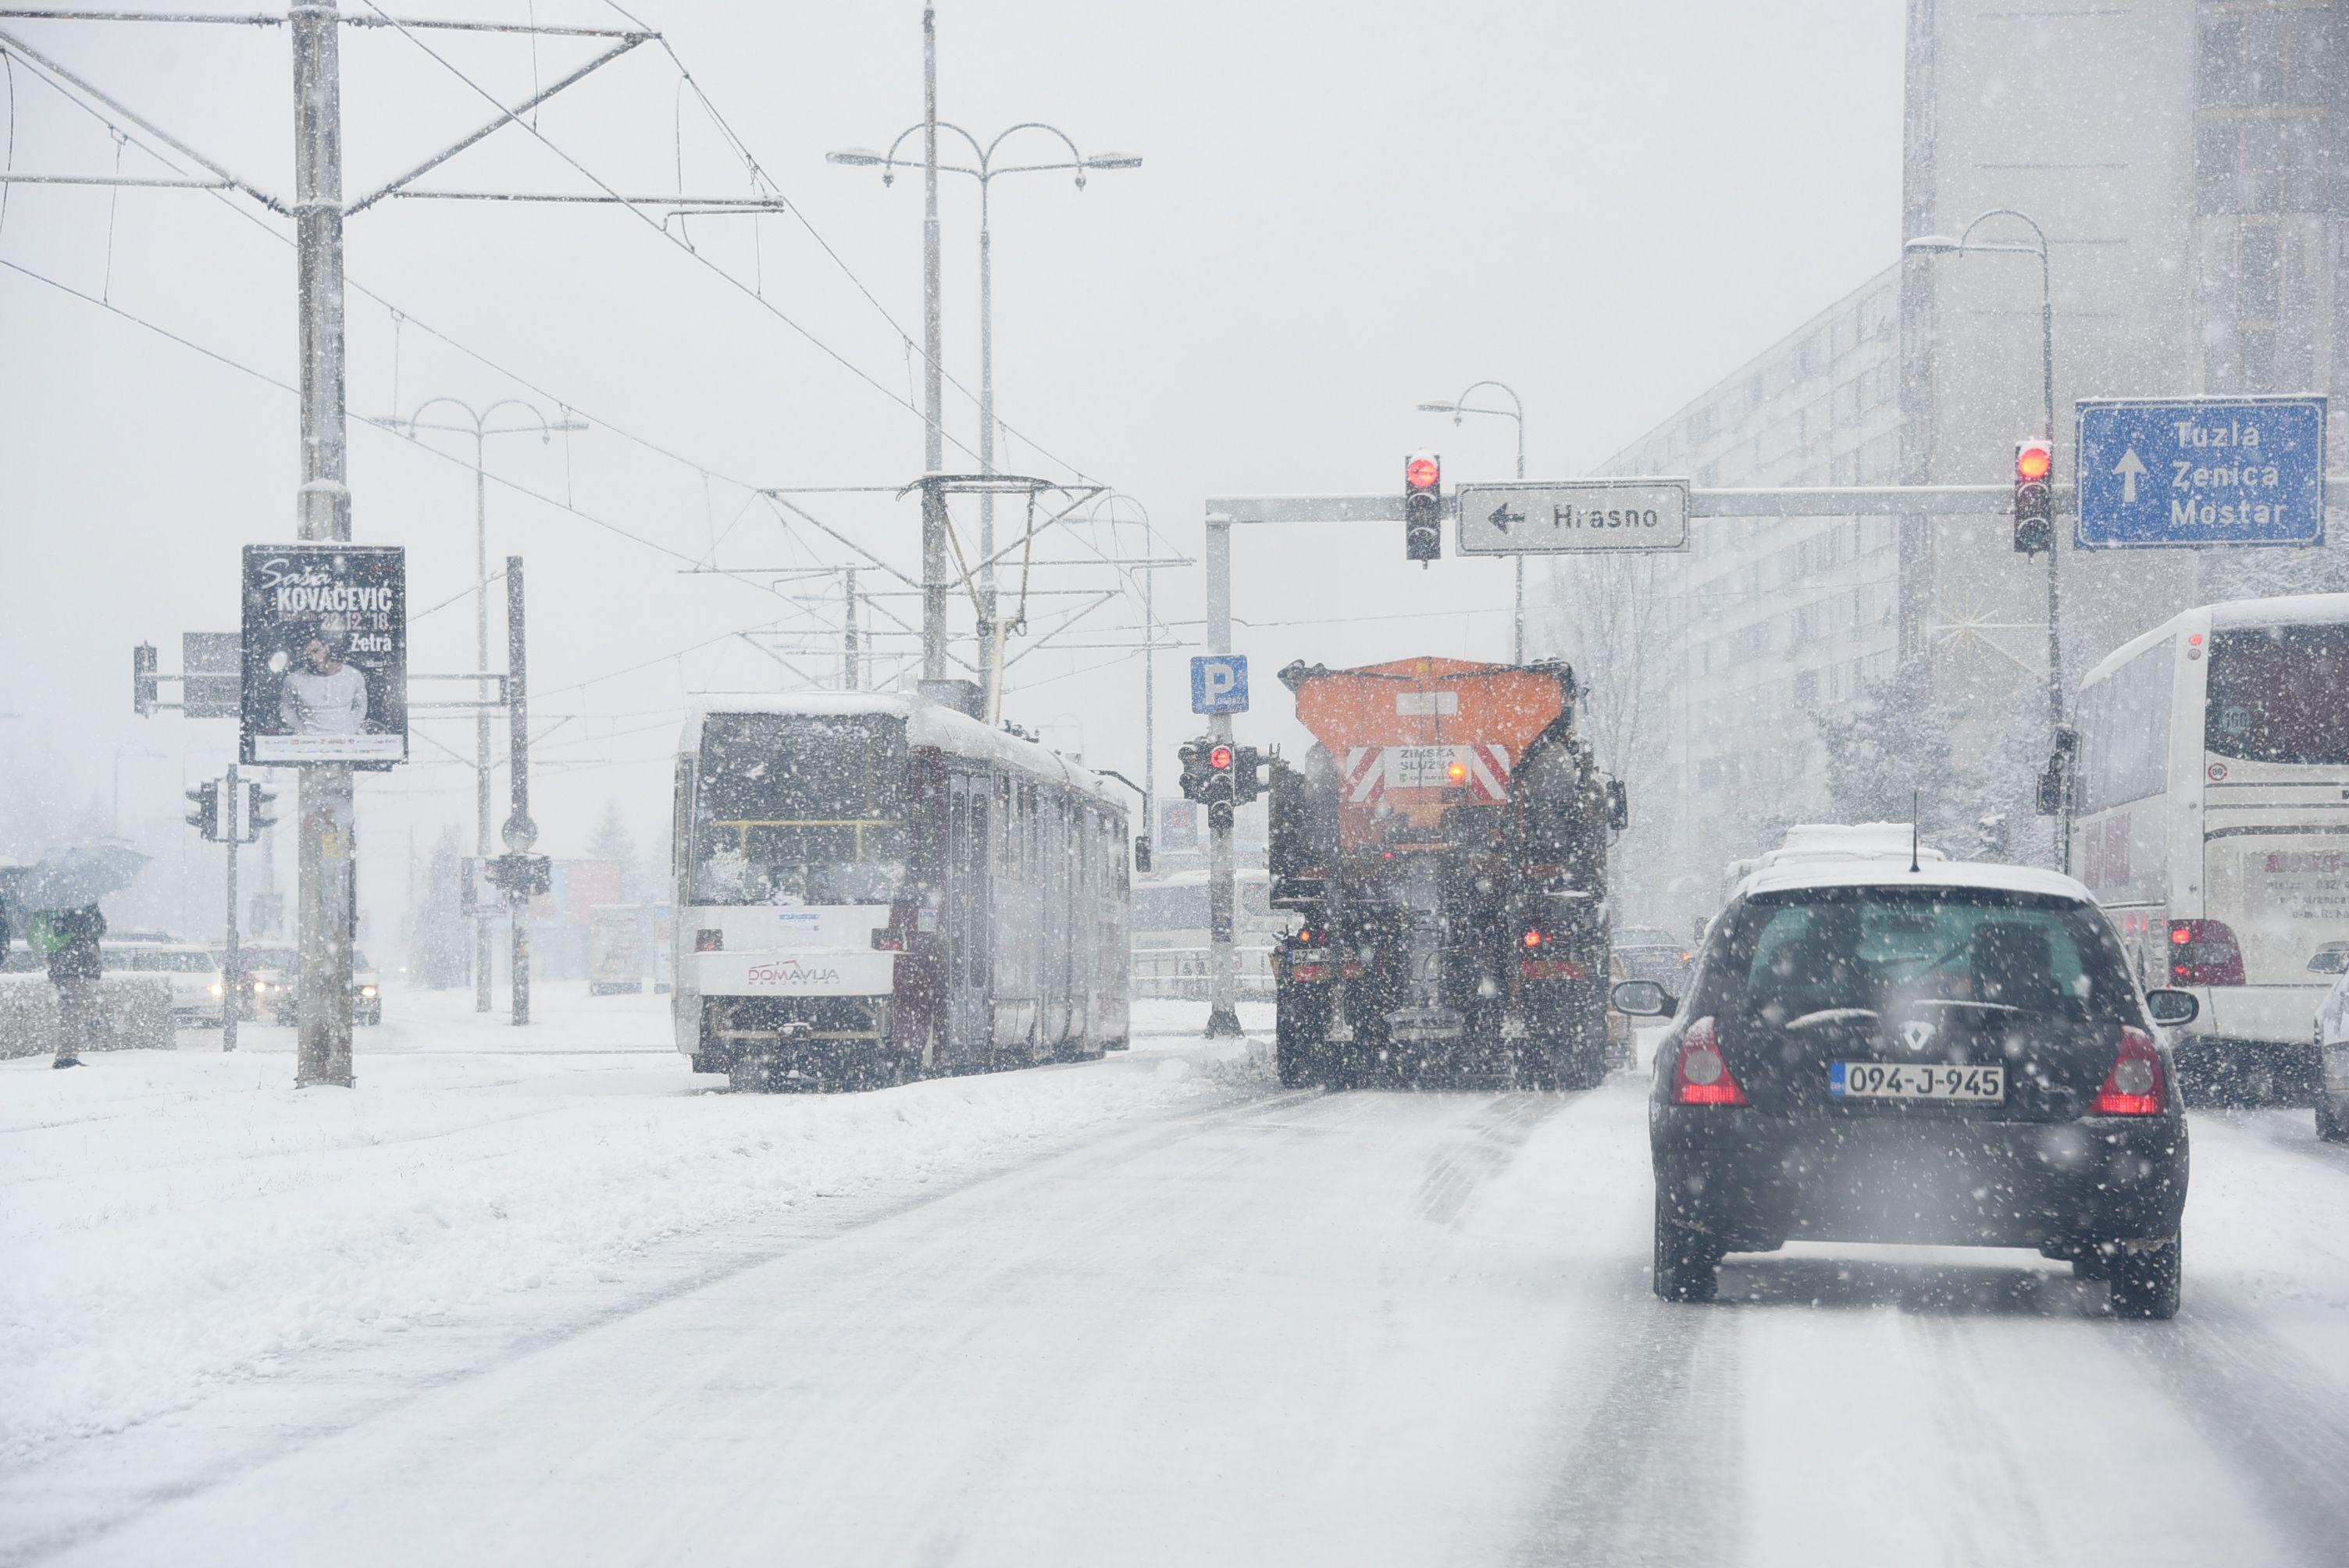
(983, 169)
(1458, 409)
(481, 431)
(933, 449)
(1936, 244)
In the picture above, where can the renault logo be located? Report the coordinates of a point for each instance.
(1916, 1034)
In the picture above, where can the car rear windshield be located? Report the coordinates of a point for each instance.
(2276, 694)
(1887, 950)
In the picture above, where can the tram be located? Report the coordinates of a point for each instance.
(872, 887)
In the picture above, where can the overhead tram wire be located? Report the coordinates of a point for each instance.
(758, 174)
(655, 226)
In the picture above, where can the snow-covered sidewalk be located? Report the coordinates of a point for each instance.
(172, 1219)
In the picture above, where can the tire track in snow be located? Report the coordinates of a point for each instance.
(2278, 1428)
(1486, 1147)
(1656, 1474)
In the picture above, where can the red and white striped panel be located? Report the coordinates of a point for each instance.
(1373, 770)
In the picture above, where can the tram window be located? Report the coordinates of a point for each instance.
(799, 808)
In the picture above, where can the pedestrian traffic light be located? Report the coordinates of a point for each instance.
(205, 818)
(1248, 766)
(1196, 767)
(143, 691)
(260, 808)
(1422, 507)
(2034, 506)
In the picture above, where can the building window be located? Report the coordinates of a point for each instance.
(1806, 688)
(2260, 281)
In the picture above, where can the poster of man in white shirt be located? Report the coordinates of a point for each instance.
(325, 654)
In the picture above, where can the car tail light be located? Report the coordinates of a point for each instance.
(709, 939)
(2204, 952)
(1702, 1075)
(2136, 1085)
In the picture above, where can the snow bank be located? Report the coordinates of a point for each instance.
(170, 1221)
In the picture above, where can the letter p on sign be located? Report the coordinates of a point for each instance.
(1219, 684)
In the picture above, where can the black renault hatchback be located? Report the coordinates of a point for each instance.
(1955, 1056)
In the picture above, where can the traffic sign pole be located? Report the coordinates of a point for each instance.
(1223, 996)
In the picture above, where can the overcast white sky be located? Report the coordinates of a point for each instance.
(1346, 208)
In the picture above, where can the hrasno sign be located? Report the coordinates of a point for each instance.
(1566, 516)
(2197, 471)
(324, 653)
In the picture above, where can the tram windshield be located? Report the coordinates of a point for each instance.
(799, 808)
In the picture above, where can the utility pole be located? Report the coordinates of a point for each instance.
(521, 832)
(851, 678)
(1223, 996)
(480, 429)
(233, 967)
(934, 430)
(1149, 709)
(323, 513)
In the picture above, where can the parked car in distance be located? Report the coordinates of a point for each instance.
(366, 990)
(2332, 1053)
(192, 971)
(1959, 1054)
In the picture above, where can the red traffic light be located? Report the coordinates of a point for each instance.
(2034, 461)
(1422, 471)
(1220, 758)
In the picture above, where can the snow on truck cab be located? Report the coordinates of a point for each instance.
(871, 886)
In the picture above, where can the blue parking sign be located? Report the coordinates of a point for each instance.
(2194, 472)
(1219, 684)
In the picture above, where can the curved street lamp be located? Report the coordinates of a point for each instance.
(1965, 245)
(1459, 409)
(984, 169)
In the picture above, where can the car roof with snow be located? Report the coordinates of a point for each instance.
(1970, 876)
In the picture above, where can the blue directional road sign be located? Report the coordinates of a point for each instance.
(1219, 684)
(2192, 471)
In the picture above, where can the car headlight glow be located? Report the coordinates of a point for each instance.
(215, 988)
(366, 990)
(258, 987)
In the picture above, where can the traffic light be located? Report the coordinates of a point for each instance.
(260, 809)
(205, 818)
(1217, 792)
(1248, 768)
(143, 691)
(1195, 769)
(2035, 500)
(1422, 507)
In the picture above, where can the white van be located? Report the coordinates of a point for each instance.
(193, 973)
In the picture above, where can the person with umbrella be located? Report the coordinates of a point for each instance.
(64, 926)
(69, 938)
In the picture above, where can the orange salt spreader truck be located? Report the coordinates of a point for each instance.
(1446, 841)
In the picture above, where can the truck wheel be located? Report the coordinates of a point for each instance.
(1294, 1059)
(1687, 1264)
(2146, 1280)
(2331, 1126)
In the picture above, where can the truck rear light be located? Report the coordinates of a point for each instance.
(1702, 1075)
(2136, 1085)
(2204, 952)
(709, 939)
(1534, 939)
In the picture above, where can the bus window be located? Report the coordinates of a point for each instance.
(2124, 730)
(799, 808)
(2275, 694)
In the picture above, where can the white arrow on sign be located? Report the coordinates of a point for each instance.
(2131, 467)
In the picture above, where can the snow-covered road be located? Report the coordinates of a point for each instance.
(1147, 1310)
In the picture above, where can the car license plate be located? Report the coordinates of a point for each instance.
(1917, 1080)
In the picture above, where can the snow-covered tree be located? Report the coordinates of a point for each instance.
(441, 939)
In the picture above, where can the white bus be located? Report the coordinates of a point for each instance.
(2213, 824)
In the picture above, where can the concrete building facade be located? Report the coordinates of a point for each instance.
(2188, 162)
